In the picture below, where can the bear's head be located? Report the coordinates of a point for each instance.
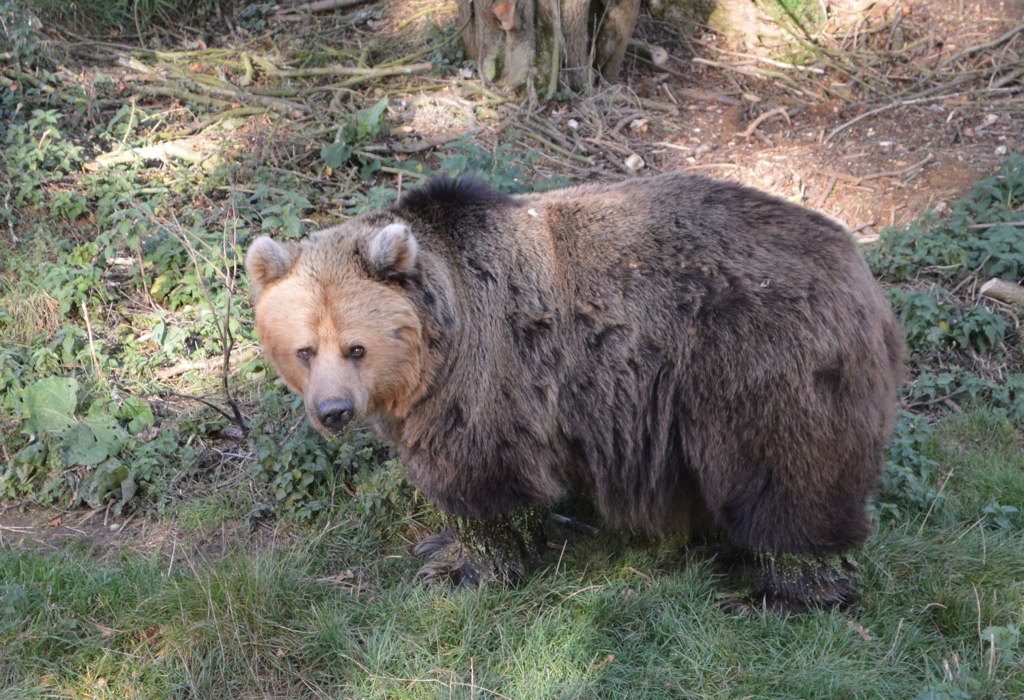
(334, 320)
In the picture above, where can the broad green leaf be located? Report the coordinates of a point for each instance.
(1003, 637)
(336, 154)
(107, 477)
(33, 454)
(107, 430)
(50, 404)
(82, 446)
(368, 120)
(137, 413)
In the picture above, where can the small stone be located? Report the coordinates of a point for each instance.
(465, 73)
(1000, 150)
(638, 125)
(634, 163)
(573, 124)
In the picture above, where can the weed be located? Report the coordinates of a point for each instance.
(976, 238)
(964, 352)
(357, 132)
(934, 320)
(305, 470)
(69, 457)
(504, 168)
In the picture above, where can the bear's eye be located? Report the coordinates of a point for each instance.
(356, 351)
(304, 354)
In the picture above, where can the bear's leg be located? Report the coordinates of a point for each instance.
(484, 549)
(797, 583)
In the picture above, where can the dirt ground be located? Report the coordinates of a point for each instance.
(885, 169)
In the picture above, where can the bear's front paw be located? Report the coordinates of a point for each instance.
(449, 562)
(435, 546)
(459, 573)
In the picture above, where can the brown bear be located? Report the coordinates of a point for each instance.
(689, 354)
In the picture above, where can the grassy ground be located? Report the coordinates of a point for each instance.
(334, 614)
(251, 558)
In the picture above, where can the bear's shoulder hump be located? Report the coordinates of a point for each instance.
(449, 195)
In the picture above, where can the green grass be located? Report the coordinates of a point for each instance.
(338, 616)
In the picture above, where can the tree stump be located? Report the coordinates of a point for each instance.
(547, 42)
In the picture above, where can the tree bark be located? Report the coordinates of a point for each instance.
(548, 42)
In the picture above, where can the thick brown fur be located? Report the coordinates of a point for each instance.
(681, 349)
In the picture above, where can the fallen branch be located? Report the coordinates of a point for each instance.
(284, 11)
(892, 105)
(181, 149)
(858, 179)
(348, 71)
(1001, 290)
(971, 50)
(749, 131)
(996, 223)
(208, 363)
(418, 146)
(655, 54)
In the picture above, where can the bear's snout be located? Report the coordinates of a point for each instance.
(335, 414)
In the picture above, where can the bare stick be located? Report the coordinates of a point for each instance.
(653, 53)
(970, 50)
(749, 131)
(223, 323)
(857, 179)
(245, 355)
(92, 345)
(885, 108)
(826, 192)
(349, 71)
(996, 223)
(942, 487)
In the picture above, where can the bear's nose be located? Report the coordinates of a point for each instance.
(335, 414)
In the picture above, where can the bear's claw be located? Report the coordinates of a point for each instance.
(434, 546)
(459, 574)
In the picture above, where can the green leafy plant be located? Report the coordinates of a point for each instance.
(278, 211)
(1000, 516)
(360, 130)
(75, 456)
(35, 151)
(911, 476)
(977, 237)
(505, 168)
(303, 468)
(932, 319)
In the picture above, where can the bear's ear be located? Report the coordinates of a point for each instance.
(392, 250)
(268, 260)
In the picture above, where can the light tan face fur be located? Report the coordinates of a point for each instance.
(313, 314)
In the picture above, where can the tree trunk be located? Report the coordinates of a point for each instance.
(547, 42)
